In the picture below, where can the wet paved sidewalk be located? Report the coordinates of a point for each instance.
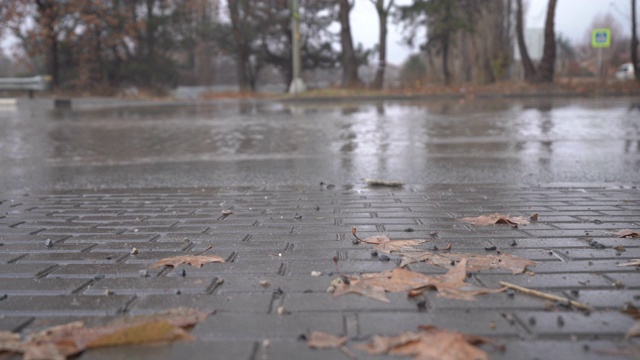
(282, 234)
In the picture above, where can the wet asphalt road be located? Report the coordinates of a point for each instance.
(235, 143)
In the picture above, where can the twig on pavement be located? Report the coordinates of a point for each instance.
(547, 296)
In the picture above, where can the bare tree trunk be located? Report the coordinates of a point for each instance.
(48, 13)
(383, 13)
(634, 41)
(349, 61)
(529, 70)
(546, 67)
(241, 55)
(445, 61)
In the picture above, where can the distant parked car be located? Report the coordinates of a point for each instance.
(625, 72)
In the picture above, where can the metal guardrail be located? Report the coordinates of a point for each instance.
(30, 84)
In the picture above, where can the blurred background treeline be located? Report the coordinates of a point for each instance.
(110, 47)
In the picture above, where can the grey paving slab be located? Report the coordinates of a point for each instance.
(267, 326)
(63, 305)
(90, 273)
(253, 302)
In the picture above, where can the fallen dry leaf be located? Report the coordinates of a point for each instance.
(486, 220)
(534, 217)
(430, 343)
(634, 331)
(360, 287)
(383, 183)
(10, 342)
(384, 244)
(631, 310)
(634, 262)
(374, 285)
(475, 262)
(61, 341)
(321, 340)
(193, 260)
(627, 233)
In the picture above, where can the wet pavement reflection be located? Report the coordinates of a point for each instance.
(224, 143)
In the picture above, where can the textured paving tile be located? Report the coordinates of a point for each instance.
(278, 236)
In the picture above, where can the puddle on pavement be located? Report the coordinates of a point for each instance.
(356, 137)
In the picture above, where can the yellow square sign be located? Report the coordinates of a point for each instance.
(601, 38)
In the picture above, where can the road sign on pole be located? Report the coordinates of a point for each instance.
(601, 38)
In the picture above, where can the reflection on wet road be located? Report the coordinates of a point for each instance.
(254, 143)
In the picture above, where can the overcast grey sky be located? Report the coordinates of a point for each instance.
(573, 19)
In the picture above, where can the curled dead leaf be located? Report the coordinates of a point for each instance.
(429, 343)
(321, 340)
(10, 342)
(492, 219)
(634, 262)
(193, 260)
(634, 331)
(384, 244)
(626, 233)
(450, 285)
(384, 183)
(61, 341)
(475, 262)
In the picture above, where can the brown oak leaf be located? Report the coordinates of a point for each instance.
(486, 220)
(626, 233)
(193, 260)
(430, 343)
(61, 341)
(321, 340)
(450, 285)
(475, 262)
(634, 262)
(384, 244)
(634, 331)
(10, 342)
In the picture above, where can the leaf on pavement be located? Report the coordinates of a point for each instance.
(384, 183)
(321, 340)
(193, 260)
(10, 342)
(634, 262)
(358, 286)
(626, 233)
(475, 262)
(429, 343)
(634, 331)
(61, 341)
(384, 244)
(486, 220)
(450, 285)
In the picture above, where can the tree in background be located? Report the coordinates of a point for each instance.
(383, 14)
(546, 67)
(413, 72)
(261, 36)
(195, 29)
(442, 21)
(315, 43)
(90, 44)
(530, 73)
(545, 70)
(241, 43)
(634, 41)
(471, 38)
(348, 57)
(41, 38)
